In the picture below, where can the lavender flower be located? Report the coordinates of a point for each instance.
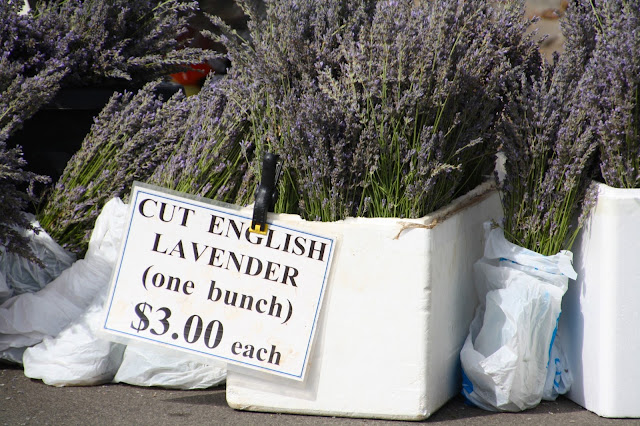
(21, 96)
(547, 138)
(29, 77)
(100, 40)
(377, 108)
(615, 91)
(15, 195)
(81, 42)
(130, 138)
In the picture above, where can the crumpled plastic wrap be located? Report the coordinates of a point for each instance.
(19, 275)
(510, 359)
(55, 332)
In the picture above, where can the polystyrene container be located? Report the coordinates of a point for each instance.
(396, 312)
(600, 321)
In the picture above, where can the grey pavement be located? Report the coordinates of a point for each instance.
(24, 401)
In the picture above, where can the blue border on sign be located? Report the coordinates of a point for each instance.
(213, 206)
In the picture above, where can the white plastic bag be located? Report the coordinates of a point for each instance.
(68, 352)
(76, 356)
(559, 377)
(28, 318)
(146, 365)
(64, 320)
(507, 352)
(19, 275)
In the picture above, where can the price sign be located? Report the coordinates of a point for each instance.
(192, 276)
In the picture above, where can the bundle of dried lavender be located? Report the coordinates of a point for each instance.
(615, 90)
(102, 39)
(29, 77)
(81, 42)
(131, 137)
(377, 108)
(14, 201)
(74, 42)
(546, 133)
(209, 159)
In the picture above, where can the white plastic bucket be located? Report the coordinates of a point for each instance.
(396, 312)
(600, 318)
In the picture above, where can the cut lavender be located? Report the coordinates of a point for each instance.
(73, 42)
(209, 158)
(377, 108)
(29, 75)
(65, 43)
(615, 90)
(132, 135)
(550, 149)
(15, 196)
(98, 40)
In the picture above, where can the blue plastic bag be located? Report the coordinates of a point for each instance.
(506, 356)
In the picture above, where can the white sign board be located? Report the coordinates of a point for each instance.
(191, 276)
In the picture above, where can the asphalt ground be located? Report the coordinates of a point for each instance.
(25, 401)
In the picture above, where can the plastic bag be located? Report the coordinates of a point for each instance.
(559, 377)
(19, 275)
(146, 365)
(28, 318)
(64, 321)
(13, 355)
(505, 357)
(77, 356)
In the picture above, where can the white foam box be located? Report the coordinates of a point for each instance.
(396, 312)
(600, 320)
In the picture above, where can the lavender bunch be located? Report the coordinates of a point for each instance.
(377, 108)
(117, 39)
(29, 77)
(550, 148)
(131, 136)
(615, 90)
(22, 95)
(209, 159)
(14, 200)
(27, 81)
(74, 42)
